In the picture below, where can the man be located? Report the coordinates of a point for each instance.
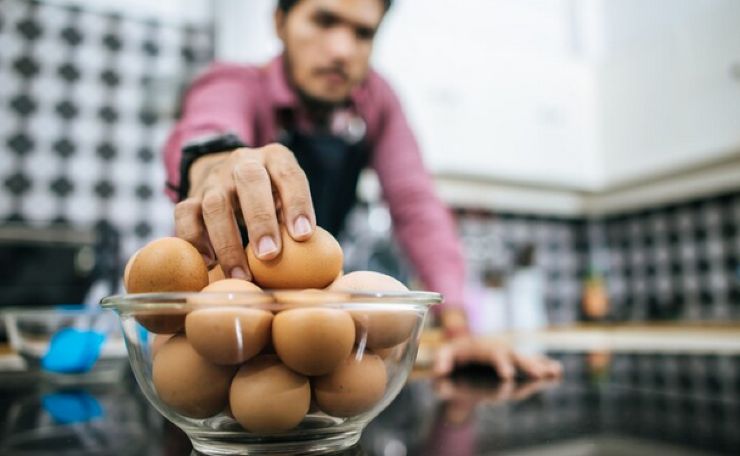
(332, 116)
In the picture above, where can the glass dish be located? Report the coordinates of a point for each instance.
(390, 323)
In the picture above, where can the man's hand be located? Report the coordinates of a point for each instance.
(498, 354)
(257, 186)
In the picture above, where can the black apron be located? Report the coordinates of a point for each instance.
(332, 164)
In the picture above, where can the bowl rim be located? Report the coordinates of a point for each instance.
(179, 300)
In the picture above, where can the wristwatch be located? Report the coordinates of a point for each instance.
(199, 147)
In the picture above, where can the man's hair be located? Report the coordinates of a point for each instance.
(287, 5)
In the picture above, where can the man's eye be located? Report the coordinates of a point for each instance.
(365, 33)
(324, 20)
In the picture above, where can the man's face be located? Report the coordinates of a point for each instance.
(328, 43)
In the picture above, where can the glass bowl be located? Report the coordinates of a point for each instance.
(278, 372)
(34, 334)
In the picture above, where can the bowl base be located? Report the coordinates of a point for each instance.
(230, 445)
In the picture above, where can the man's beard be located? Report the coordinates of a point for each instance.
(318, 105)
(311, 103)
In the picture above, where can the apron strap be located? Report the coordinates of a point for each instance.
(332, 165)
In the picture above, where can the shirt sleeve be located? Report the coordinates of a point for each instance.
(422, 223)
(216, 102)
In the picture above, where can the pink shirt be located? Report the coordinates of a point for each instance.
(243, 100)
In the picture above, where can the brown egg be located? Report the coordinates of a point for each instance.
(228, 335)
(309, 264)
(216, 274)
(127, 270)
(230, 286)
(165, 321)
(313, 340)
(230, 292)
(167, 264)
(188, 383)
(382, 327)
(310, 297)
(353, 388)
(367, 281)
(157, 342)
(226, 331)
(267, 397)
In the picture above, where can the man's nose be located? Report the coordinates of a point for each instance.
(342, 43)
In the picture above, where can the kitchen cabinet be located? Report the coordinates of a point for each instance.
(577, 95)
(495, 90)
(669, 86)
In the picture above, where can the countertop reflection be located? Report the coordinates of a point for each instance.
(606, 404)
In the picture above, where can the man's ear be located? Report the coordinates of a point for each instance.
(280, 18)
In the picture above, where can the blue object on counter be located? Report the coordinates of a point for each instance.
(73, 351)
(72, 407)
(70, 307)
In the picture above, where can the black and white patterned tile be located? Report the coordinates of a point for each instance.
(678, 262)
(675, 262)
(492, 241)
(85, 116)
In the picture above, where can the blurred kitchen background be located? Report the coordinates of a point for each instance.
(589, 149)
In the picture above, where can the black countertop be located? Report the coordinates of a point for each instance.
(606, 404)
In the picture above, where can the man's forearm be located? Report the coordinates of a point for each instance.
(454, 321)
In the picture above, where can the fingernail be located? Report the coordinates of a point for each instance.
(301, 226)
(266, 246)
(238, 273)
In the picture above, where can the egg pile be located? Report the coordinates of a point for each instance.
(269, 359)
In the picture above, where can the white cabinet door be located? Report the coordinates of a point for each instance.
(493, 89)
(669, 98)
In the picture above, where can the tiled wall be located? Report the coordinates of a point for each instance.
(678, 261)
(491, 242)
(84, 111)
(673, 262)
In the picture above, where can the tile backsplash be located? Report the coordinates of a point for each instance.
(678, 262)
(83, 116)
(491, 242)
(673, 262)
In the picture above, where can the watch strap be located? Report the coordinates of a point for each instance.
(200, 147)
